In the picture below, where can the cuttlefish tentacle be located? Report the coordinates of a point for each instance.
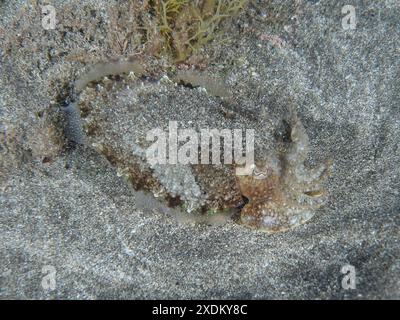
(288, 194)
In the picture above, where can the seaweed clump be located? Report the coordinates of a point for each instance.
(183, 26)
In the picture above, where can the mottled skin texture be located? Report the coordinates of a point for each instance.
(280, 192)
(286, 194)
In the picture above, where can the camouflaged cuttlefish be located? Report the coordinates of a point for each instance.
(276, 193)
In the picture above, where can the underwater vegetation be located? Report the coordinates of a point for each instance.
(183, 26)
